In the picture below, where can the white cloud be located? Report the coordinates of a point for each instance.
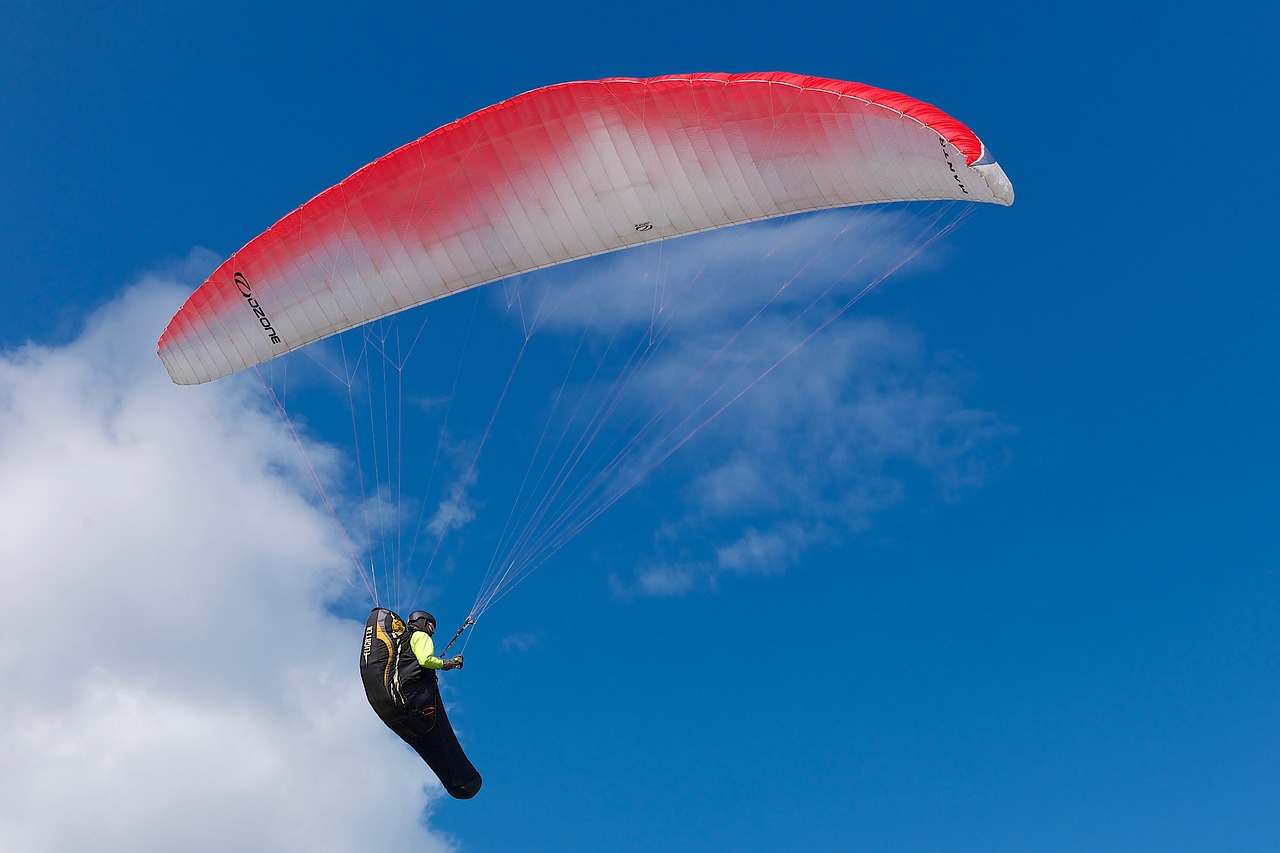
(761, 553)
(839, 416)
(847, 427)
(665, 579)
(169, 675)
(521, 642)
(454, 511)
(735, 486)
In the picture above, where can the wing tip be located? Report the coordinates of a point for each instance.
(997, 181)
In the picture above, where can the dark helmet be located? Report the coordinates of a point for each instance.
(419, 619)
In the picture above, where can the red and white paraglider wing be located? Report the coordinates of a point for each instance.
(562, 173)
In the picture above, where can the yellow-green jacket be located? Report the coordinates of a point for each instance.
(425, 650)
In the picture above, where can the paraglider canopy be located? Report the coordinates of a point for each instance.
(561, 173)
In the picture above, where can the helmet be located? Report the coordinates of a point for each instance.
(419, 619)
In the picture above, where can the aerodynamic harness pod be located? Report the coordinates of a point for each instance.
(406, 696)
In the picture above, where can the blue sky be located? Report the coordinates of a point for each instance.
(1075, 650)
